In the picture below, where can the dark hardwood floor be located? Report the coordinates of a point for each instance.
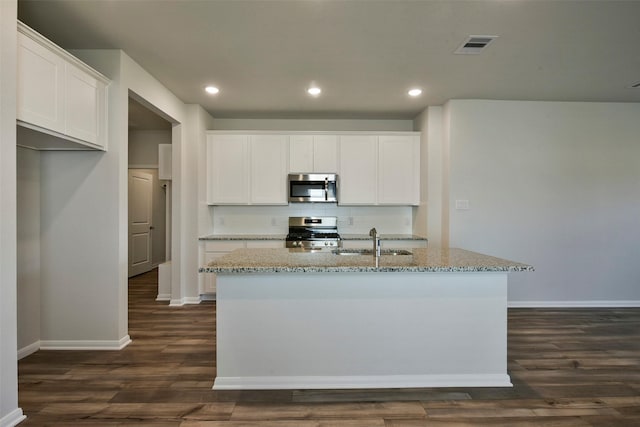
(570, 367)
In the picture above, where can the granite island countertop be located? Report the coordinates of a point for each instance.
(243, 261)
(284, 236)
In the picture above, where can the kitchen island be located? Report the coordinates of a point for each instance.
(291, 319)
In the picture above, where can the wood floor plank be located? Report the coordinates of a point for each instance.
(267, 411)
(569, 368)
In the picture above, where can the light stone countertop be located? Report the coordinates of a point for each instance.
(243, 261)
(283, 237)
(382, 237)
(244, 237)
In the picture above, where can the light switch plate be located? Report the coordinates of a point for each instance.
(462, 205)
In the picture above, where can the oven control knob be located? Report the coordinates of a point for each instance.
(326, 243)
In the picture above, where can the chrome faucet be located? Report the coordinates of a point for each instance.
(376, 243)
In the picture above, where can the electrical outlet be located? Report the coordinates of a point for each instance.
(462, 205)
(350, 220)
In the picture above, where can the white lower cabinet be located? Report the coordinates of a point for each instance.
(214, 249)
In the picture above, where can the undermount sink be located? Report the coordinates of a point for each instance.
(370, 252)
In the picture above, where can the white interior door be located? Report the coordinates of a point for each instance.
(140, 222)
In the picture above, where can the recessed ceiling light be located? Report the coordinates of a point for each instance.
(415, 92)
(314, 91)
(212, 90)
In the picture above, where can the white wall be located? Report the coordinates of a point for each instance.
(274, 219)
(10, 413)
(84, 218)
(143, 147)
(555, 185)
(28, 256)
(312, 124)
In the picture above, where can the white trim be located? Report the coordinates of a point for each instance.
(28, 349)
(13, 418)
(85, 345)
(143, 167)
(305, 132)
(82, 144)
(369, 381)
(163, 297)
(574, 304)
(183, 301)
(64, 54)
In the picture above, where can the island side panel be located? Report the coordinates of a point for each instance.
(352, 330)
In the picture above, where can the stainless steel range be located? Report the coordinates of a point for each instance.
(313, 232)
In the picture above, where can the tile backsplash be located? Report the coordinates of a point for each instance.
(274, 219)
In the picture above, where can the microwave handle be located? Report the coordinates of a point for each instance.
(326, 188)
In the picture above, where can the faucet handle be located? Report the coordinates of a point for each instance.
(373, 232)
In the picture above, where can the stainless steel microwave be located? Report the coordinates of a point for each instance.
(313, 187)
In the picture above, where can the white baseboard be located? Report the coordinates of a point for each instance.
(85, 345)
(163, 297)
(368, 381)
(28, 349)
(13, 418)
(182, 301)
(573, 304)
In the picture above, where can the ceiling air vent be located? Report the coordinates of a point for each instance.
(474, 44)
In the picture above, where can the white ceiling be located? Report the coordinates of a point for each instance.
(365, 55)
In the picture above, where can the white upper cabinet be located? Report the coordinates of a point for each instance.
(358, 174)
(269, 160)
(59, 95)
(247, 169)
(373, 168)
(313, 153)
(41, 82)
(227, 169)
(398, 170)
(85, 106)
(379, 170)
(301, 153)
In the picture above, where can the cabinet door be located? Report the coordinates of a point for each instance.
(84, 106)
(398, 170)
(40, 85)
(301, 153)
(358, 171)
(325, 153)
(227, 170)
(269, 161)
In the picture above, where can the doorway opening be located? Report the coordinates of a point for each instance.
(149, 187)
